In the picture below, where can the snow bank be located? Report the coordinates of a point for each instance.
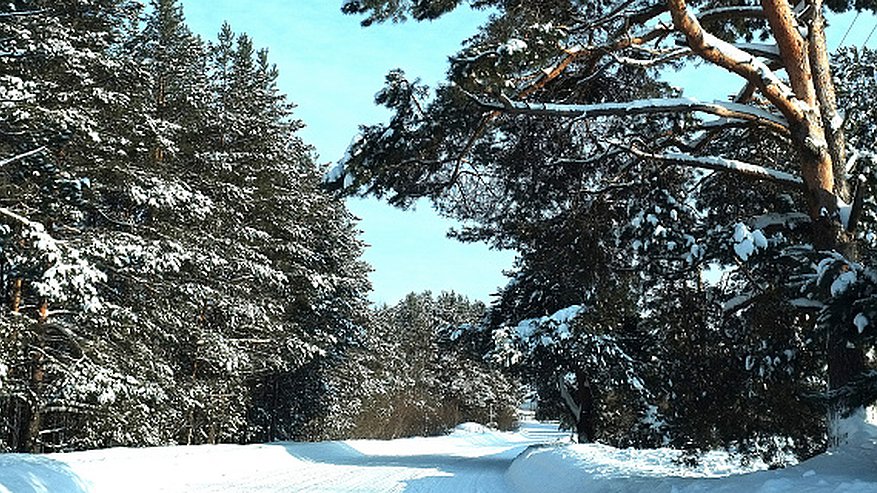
(23, 473)
(477, 428)
(597, 468)
(604, 468)
(536, 459)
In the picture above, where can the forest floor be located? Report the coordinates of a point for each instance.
(537, 458)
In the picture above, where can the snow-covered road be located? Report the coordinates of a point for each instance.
(468, 460)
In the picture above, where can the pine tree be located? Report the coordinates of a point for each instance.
(63, 54)
(155, 280)
(555, 129)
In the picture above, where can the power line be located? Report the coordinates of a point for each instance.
(849, 29)
(869, 36)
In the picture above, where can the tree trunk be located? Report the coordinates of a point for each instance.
(16, 295)
(585, 426)
(845, 361)
(580, 405)
(272, 413)
(211, 434)
(158, 152)
(17, 425)
(32, 441)
(819, 140)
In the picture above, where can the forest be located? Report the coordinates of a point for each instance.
(172, 271)
(177, 268)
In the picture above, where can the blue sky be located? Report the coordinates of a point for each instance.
(331, 68)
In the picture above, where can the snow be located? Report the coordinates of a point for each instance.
(747, 242)
(860, 321)
(340, 170)
(559, 321)
(723, 164)
(513, 46)
(837, 122)
(844, 210)
(843, 282)
(806, 303)
(647, 106)
(172, 196)
(535, 459)
(604, 469)
(759, 49)
(786, 220)
(758, 239)
(471, 428)
(851, 162)
(736, 302)
(472, 458)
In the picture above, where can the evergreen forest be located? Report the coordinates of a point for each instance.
(176, 267)
(172, 271)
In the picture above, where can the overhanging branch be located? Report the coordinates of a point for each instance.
(716, 163)
(21, 219)
(725, 13)
(22, 13)
(641, 107)
(745, 65)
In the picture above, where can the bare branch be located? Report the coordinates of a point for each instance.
(647, 14)
(614, 11)
(725, 55)
(22, 156)
(651, 62)
(642, 107)
(595, 53)
(736, 12)
(552, 72)
(720, 164)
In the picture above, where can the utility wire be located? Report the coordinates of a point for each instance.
(849, 29)
(869, 36)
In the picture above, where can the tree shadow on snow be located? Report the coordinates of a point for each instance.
(22, 473)
(451, 473)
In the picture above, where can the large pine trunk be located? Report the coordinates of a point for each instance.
(845, 361)
(820, 143)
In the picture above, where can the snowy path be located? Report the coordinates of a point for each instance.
(464, 461)
(470, 460)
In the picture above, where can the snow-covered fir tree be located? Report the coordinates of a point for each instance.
(154, 280)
